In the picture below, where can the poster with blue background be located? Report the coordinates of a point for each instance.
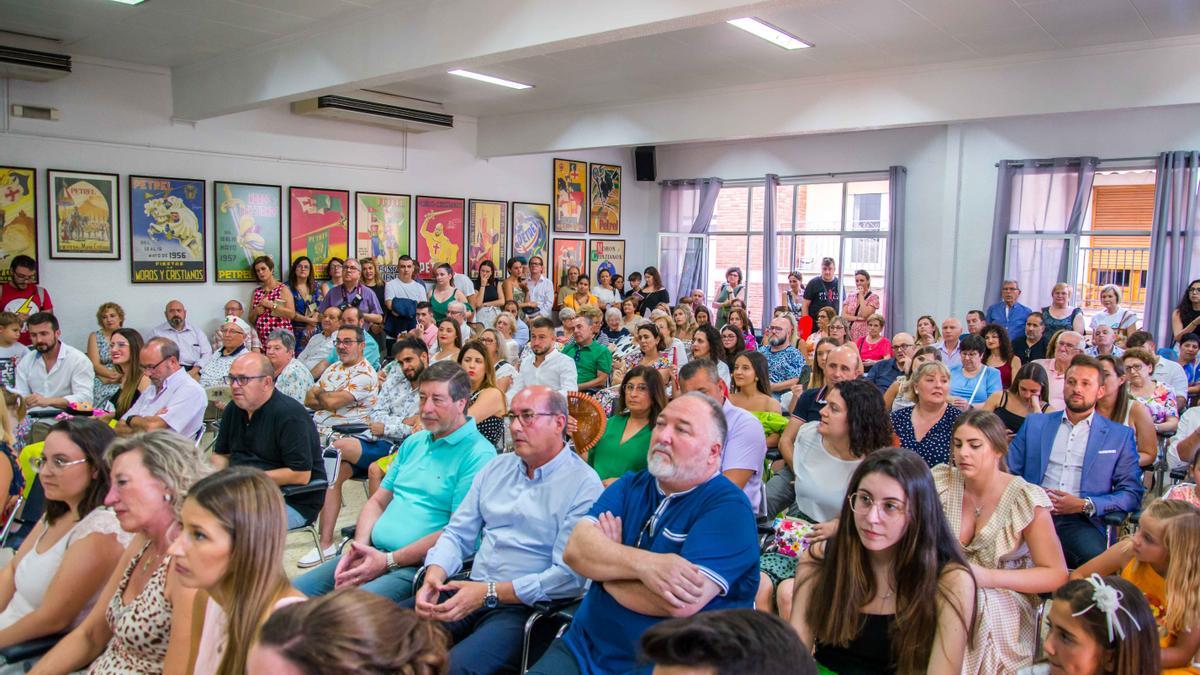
(166, 217)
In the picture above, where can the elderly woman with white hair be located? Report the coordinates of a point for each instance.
(1122, 321)
(233, 332)
(613, 329)
(291, 377)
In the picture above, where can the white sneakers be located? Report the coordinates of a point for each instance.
(313, 557)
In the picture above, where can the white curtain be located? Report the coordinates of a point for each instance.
(686, 208)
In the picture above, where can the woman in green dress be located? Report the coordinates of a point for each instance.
(626, 439)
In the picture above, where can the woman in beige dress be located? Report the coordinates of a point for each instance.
(1004, 526)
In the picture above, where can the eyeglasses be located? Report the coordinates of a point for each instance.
(145, 367)
(242, 380)
(22, 277)
(527, 416)
(1068, 346)
(58, 463)
(900, 345)
(862, 503)
(346, 342)
(636, 386)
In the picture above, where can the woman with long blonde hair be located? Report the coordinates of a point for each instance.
(1163, 560)
(231, 550)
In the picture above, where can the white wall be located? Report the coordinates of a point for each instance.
(117, 118)
(951, 179)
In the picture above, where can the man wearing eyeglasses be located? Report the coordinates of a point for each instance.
(347, 389)
(174, 400)
(523, 507)
(593, 361)
(351, 316)
(885, 372)
(670, 541)
(784, 362)
(268, 430)
(540, 298)
(22, 295)
(428, 479)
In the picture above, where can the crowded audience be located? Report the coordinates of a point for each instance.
(898, 504)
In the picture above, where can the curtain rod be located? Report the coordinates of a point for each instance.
(1050, 162)
(797, 176)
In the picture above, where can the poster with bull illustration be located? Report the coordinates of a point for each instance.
(83, 215)
(166, 221)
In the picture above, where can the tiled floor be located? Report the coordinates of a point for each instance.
(300, 543)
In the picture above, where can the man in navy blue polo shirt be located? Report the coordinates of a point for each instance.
(670, 541)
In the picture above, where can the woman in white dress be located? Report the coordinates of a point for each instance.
(1123, 321)
(1005, 528)
(53, 580)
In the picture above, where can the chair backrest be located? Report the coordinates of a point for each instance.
(333, 458)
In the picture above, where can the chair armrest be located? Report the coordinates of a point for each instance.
(350, 428)
(1113, 518)
(565, 607)
(1179, 474)
(312, 486)
(30, 648)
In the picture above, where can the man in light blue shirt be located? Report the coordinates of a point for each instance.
(427, 481)
(1008, 312)
(522, 508)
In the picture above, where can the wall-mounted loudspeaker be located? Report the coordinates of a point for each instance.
(643, 161)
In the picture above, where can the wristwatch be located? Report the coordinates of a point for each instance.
(491, 600)
(1089, 507)
(391, 561)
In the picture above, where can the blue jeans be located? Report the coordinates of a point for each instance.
(396, 585)
(486, 640)
(558, 660)
(294, 519)
(1081, 539)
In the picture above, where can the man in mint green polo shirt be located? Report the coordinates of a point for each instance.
(593, 361)
(426, 482)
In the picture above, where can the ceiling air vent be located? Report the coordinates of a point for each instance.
(369, 112)
(27, 64)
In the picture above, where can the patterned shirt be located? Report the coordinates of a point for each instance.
(784, 364)
(214, 372)
(397, 401)
(294, 381)
(360, 380)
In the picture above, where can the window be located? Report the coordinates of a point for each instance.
(846, 221)
(1114, 247)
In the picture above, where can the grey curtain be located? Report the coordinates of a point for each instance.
(1037, 196)
(770, 287)
(1174, 254)
(686, 207)
(893, 292)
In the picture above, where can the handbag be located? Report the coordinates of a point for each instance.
(791, 535)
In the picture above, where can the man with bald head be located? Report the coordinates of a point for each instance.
(174, 400)
(1068, 346)
(268, 430)
(842, 364)
(194, 347)
(885, 372)
(951, 330)
(672, 540)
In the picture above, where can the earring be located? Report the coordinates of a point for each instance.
(166, 498)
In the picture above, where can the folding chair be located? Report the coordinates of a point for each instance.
(560, 613)
(332, 461)
(30, 649)
(25, 517)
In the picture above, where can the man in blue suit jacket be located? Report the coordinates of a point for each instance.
(1087, 463)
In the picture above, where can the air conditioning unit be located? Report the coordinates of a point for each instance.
(362, 111)
(27, 64)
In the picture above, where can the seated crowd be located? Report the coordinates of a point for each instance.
(887, 503)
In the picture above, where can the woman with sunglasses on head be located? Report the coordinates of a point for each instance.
(1004, 525)
(895, 572)
(53, 579)
(230, 549)
(626, 440)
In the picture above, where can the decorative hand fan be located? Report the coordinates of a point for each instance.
(589, 418)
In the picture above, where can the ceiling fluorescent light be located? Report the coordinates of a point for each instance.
(130, 2)
(769, 33)
(490, 80)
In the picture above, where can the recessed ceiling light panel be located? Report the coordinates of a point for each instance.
(129, 2)
(769, 33)
(490, 80)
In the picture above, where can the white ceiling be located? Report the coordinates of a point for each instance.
(850, 36)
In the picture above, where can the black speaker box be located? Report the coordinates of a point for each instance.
(643, 161)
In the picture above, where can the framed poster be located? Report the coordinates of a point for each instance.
(566, 253)
(166, 230)
(604, 184)
(18, 216)
(84, 220)
(247, 223)
(609, 252)
(319, 226)
(570, 196)
(381, 229)
(487, 230)
(440, 234)
(530, 230)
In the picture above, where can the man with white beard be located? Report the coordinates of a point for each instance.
(673, 540)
